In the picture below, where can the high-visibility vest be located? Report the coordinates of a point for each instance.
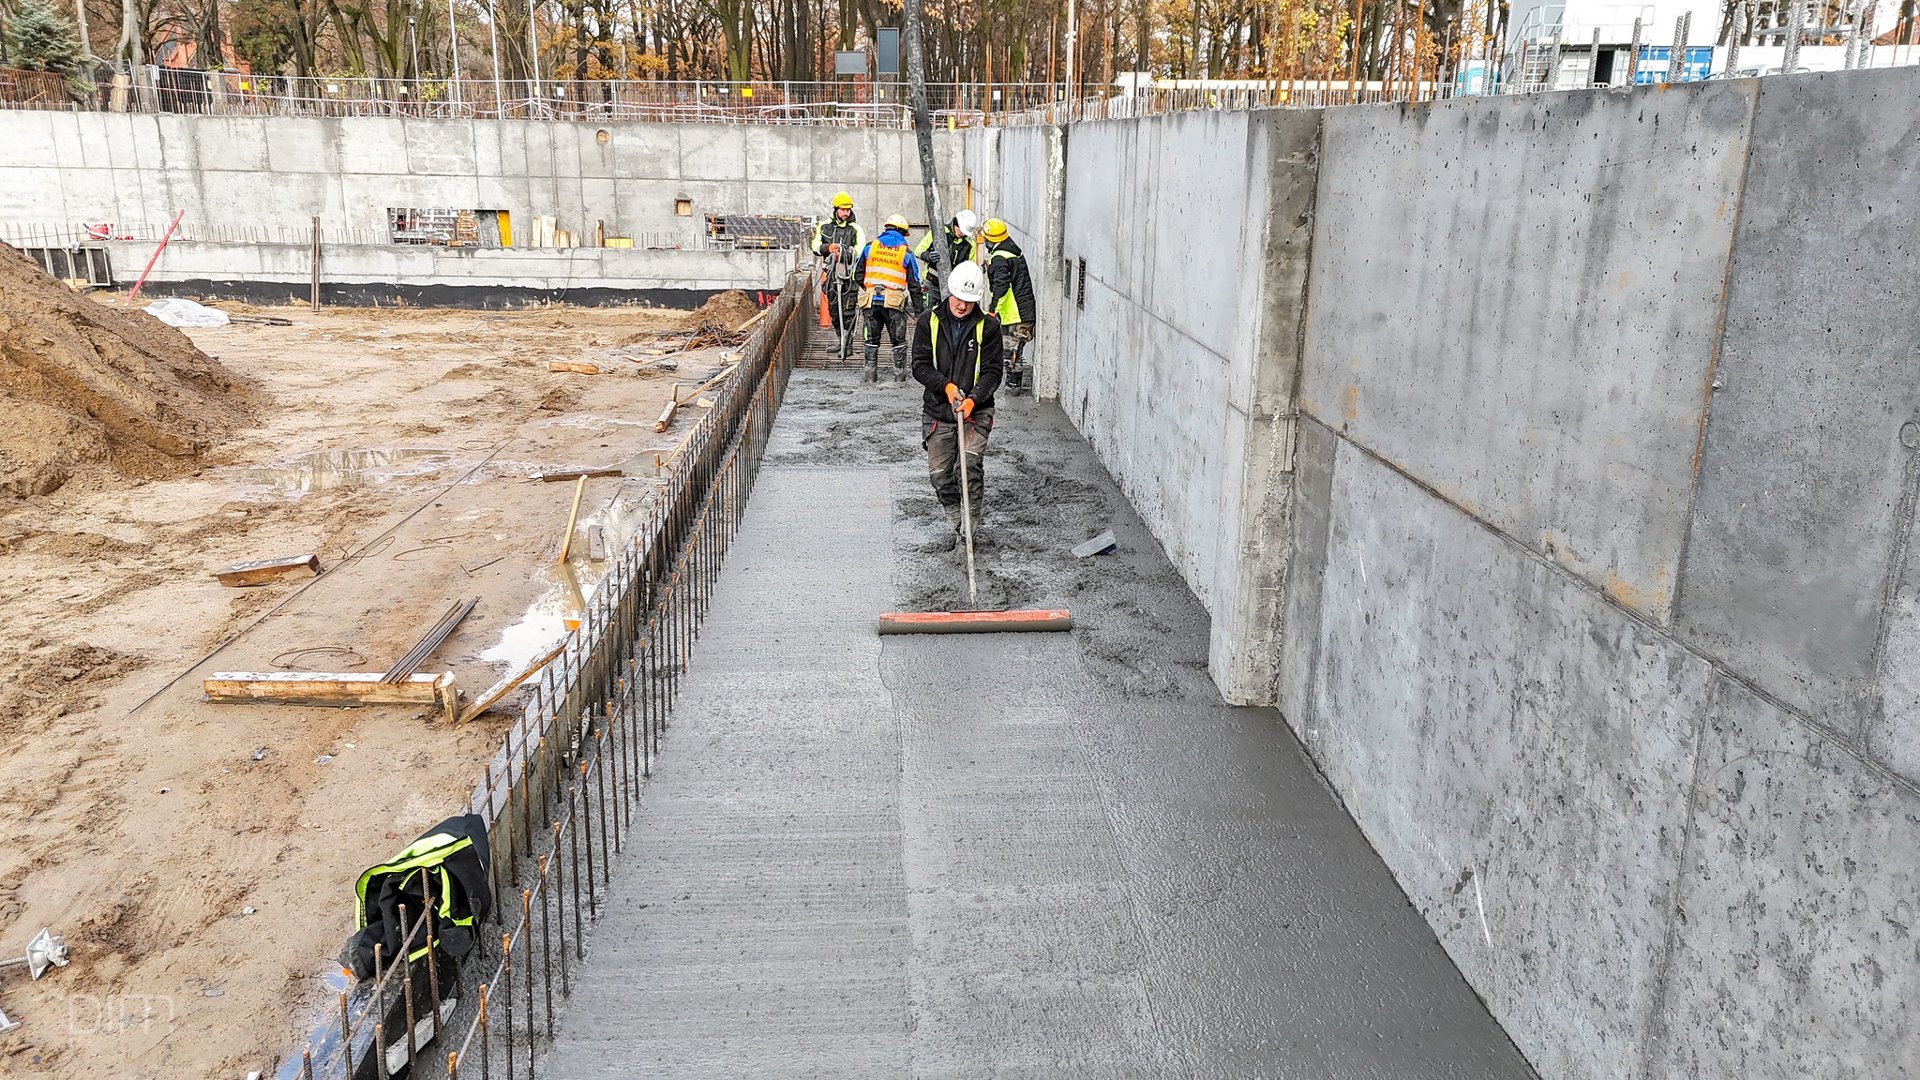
(886, 266)
(979, 344)
(1008, 309)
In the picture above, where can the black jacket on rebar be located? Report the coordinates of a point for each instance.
(448, 865)
(966, 352)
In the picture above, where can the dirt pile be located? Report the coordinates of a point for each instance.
(82, 383)
(51, 680)
(725, 311)
(716, 322)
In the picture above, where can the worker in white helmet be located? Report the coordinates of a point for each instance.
(940, 254)
(957, 358)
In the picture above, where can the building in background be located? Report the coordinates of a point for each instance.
(1576, 43)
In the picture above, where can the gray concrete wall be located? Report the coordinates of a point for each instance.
(1599, 559)
(1571, 529)
(273, 172)
(1175, 356)
(548, 270)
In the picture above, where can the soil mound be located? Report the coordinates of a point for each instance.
(82, 383)
(723, 311)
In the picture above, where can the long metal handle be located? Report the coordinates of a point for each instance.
(966, 501)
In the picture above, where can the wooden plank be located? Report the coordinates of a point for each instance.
(331, 688)
(748, 325)
(261, 571)
(666, 414)
(573, 515)
(575, 474)
(488, 699)
(572, 366)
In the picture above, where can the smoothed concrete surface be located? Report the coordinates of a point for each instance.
(1035, 855)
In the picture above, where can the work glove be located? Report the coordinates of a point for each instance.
(965, 409)
(954, 396)
(833, 250)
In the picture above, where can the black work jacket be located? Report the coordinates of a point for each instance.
(966, 354)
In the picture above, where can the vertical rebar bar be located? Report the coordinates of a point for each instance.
(546, 942)
(1677, 55)
(1796, 29)
(406, 979)
(346, 1037)
(1736, 33)
(586, 822)
(486, 1054)
(506, 999)
(560, 903)
(526, 931)
(606, 851)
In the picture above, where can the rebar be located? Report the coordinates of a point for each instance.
(602, 708)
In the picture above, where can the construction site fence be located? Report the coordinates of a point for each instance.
(845, 103)
(842, 104)
(563, 794)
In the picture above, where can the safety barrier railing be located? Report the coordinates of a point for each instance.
(843, 103)
(562, 797)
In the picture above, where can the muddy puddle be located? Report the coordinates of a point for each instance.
(557, 610)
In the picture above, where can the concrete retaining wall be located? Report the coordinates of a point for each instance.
(274, 172)
(1571, 529)
(454, 277)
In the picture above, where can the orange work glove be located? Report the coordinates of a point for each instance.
(965, 409)
(954, 396)
(834, 250)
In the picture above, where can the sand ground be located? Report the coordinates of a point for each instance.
(199, 858)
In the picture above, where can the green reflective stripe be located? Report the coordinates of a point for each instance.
(979, 343)
(426, 853)
(1008, 307)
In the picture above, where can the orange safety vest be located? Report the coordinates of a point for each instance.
(886, 266)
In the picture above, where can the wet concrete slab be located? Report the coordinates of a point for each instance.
(991, 855)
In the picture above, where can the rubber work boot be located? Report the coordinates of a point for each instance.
(899, 364)
(872, 372)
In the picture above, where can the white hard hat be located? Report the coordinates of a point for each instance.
(969, 283)
(967, 221)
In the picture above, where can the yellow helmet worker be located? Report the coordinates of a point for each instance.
(837, 241)
(1011, 287)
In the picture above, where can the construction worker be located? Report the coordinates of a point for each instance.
(1012, 288)
(889, 278)
(939, 258)
(957, 357)
(837, 240)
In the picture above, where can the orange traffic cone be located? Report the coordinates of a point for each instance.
(826, 317)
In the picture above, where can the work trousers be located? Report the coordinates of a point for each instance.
(894, 321)
(1017, 337)
(843, 305)
(943, 460)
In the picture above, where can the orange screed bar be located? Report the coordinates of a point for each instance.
(973, 622)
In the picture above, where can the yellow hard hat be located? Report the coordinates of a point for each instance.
(898, 221)
(996, 230)
(842, 201)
